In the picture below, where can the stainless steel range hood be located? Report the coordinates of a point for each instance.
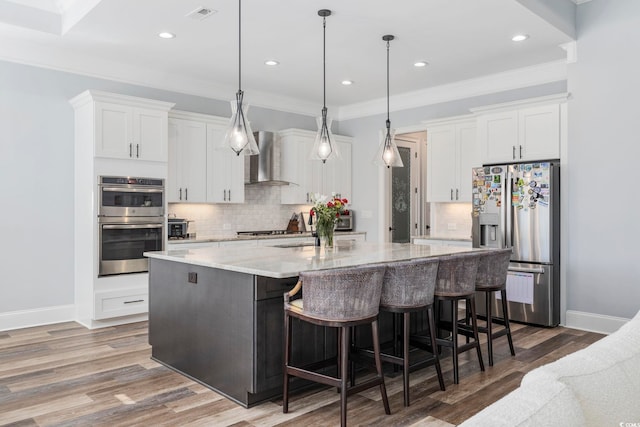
(264, 168)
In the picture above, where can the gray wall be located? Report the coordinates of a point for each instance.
(604, 150)
(37, 173)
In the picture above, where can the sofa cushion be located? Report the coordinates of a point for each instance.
(604, 377)
(542, 403)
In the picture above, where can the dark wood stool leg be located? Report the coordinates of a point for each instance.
(474, 322)
(376, 352)
(488, 305)
(505, 314)
(434, 346)
(454, 337)
(352, 364)
(405, 355)
(344, 367)
(287, 357)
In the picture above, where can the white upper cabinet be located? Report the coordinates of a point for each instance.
(520, 134)
(225, 169)
(128, 127)
(451, 154)
(187, 179)
(308, 176)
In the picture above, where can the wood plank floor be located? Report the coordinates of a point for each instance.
(67, 375)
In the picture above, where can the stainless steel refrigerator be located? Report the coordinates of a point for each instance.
(518, 206)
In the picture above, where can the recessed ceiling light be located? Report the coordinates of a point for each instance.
(347, 82)
(520, 37)
(420, 64)
(271, 62)
(166, 35)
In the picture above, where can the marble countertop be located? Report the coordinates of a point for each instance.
(434, 237)
(260, 237)
(280, 262)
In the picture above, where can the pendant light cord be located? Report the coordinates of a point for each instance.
(388, 121)
(324, 62)
(239, 45)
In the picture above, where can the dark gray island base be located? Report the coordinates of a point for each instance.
(226, 330)
(216, 314)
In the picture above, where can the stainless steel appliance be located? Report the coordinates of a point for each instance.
(517, 206)
(130, 222)
(127, 196)
(178, 228)
(345, 221)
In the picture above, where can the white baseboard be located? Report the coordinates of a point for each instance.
(104, 323)
(593, 322)
(36, 317)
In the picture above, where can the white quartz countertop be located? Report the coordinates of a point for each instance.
(279, 262)
(434, 237)
(258, 237)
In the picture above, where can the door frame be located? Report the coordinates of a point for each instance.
(384, 185)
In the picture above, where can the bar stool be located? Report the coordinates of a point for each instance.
(492, 277)
(339, 298)
(408, 287)
(456, 281)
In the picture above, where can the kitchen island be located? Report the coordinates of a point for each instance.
(216, 314)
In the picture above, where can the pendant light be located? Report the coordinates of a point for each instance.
(239, 135)
(324, 146)
(388, 154)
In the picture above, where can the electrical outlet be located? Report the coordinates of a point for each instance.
(452, 226)
(193, 277)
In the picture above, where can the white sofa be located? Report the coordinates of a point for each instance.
(597, 386)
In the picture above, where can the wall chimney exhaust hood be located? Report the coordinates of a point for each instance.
(264, 168)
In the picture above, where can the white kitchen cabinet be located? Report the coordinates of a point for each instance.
(311, 176)
(522, 134)
(225, 169)
(451, 154)
(127, 128)
(187, 178)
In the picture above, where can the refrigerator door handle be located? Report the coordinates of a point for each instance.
(538, 270)
(508, 206)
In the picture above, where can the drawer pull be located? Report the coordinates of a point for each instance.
(134, 301)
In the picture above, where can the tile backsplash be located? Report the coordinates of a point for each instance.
(452, 220)
(260, 211)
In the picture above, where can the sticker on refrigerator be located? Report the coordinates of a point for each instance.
(496, 179)
(519, 287)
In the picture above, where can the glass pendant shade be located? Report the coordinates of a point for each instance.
(388, 154)
(324, 145)
(239, 135)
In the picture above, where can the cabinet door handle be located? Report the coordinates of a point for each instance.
(225, 195)
(130, 150)
(180, 197)
(229, 194)
(451, 196)
(521, 151)
(138, 150)
(514, 152)
(456, 194)
(186, 195)
(133, 301)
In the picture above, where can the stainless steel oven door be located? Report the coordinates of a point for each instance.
(123, 241)
(123, 196)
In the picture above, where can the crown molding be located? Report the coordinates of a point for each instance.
(507, 80)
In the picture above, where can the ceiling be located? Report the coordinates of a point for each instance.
(118, 39)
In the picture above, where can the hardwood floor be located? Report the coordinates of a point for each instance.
(67, 375)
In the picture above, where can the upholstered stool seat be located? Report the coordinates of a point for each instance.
(340, 298)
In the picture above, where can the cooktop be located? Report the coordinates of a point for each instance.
(266, 232)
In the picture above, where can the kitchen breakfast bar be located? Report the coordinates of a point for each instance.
(216, 314)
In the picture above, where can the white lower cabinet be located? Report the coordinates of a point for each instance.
(121, 302)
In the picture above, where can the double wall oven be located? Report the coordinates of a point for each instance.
(131, 222)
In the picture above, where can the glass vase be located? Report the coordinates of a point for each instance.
(325, 232)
